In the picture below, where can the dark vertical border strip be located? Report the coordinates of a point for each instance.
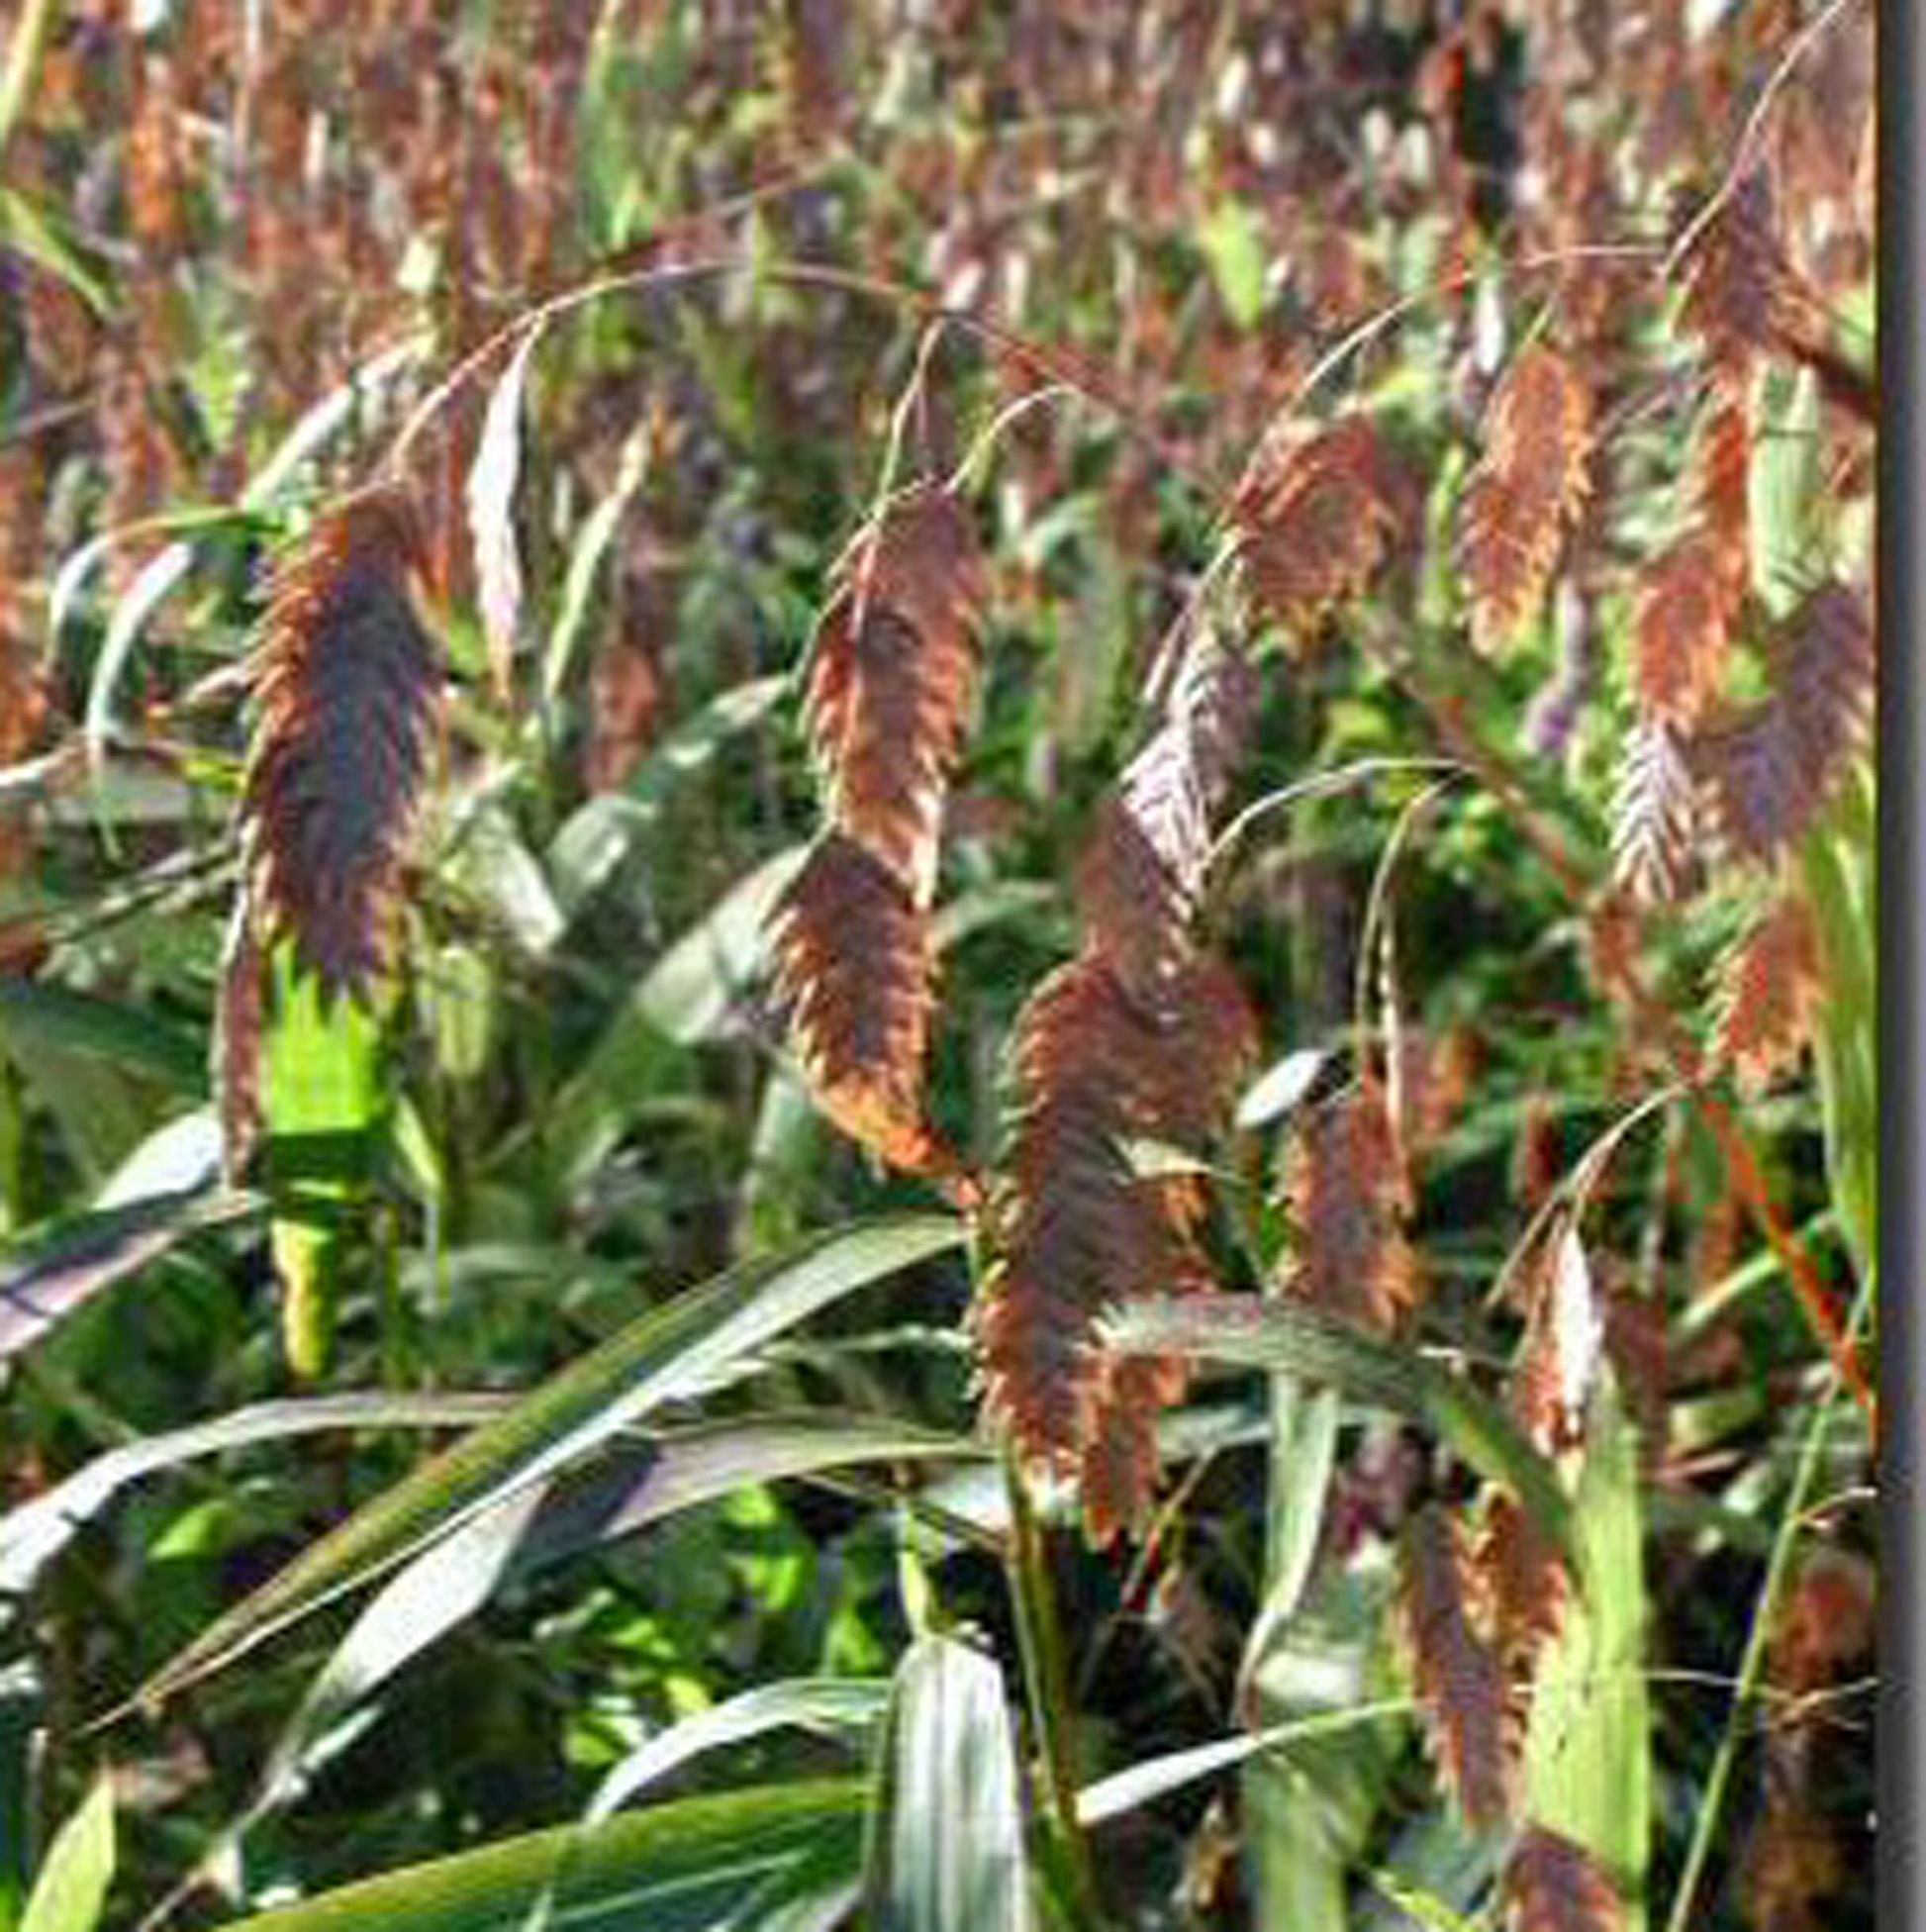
(1903, 840)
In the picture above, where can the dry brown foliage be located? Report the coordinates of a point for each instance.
(892, 680)
(1460, 1689)
(349, 683)
(1771, 767)
(1533, 481)
(1771, 988)
(1347, 1198)
(1076, 1227)
(1319, 516)
(1552, 1885)
(855, 972)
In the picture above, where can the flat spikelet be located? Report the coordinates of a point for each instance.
(1319, 520)
(1142, 871)
(1654, 819)
(1565, 1332)
(1722, 481)
(1534, 479)
(855, 974)
(1459, 1691)
(1736, 279)
(1691, 597)
(1552, 1885)
(1177, 780)
(1346, 1191)
(1531, 1593)
(889, 686)
(1096, 1068)
(349, 683)
(1682, 634)
(891, 679)
(1772, 767)
(1772, 989)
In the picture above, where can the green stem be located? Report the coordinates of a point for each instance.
(1753, 1665)
(1047, 1685)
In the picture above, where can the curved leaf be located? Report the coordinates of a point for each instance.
(947, 1853)
(736, 1861)
(1282, 1334)
(668, 1354)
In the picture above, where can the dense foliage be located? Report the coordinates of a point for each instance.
(936, 964)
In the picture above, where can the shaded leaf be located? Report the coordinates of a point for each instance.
(734, 1861)
(670, 1352)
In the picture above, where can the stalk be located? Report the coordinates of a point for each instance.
(1046, 1684)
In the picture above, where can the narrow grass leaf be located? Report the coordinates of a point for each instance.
(1587, 1773)
(842, 1708)
(71, 1886)
(585, 562)
(737, 1860)
(668, 1353)
(1282, 1334)
(23, 1711)
(104, 1029)
(67, 1263)
(604, 832)
(34, 1532)
(543, 1525)
(946, 1850)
